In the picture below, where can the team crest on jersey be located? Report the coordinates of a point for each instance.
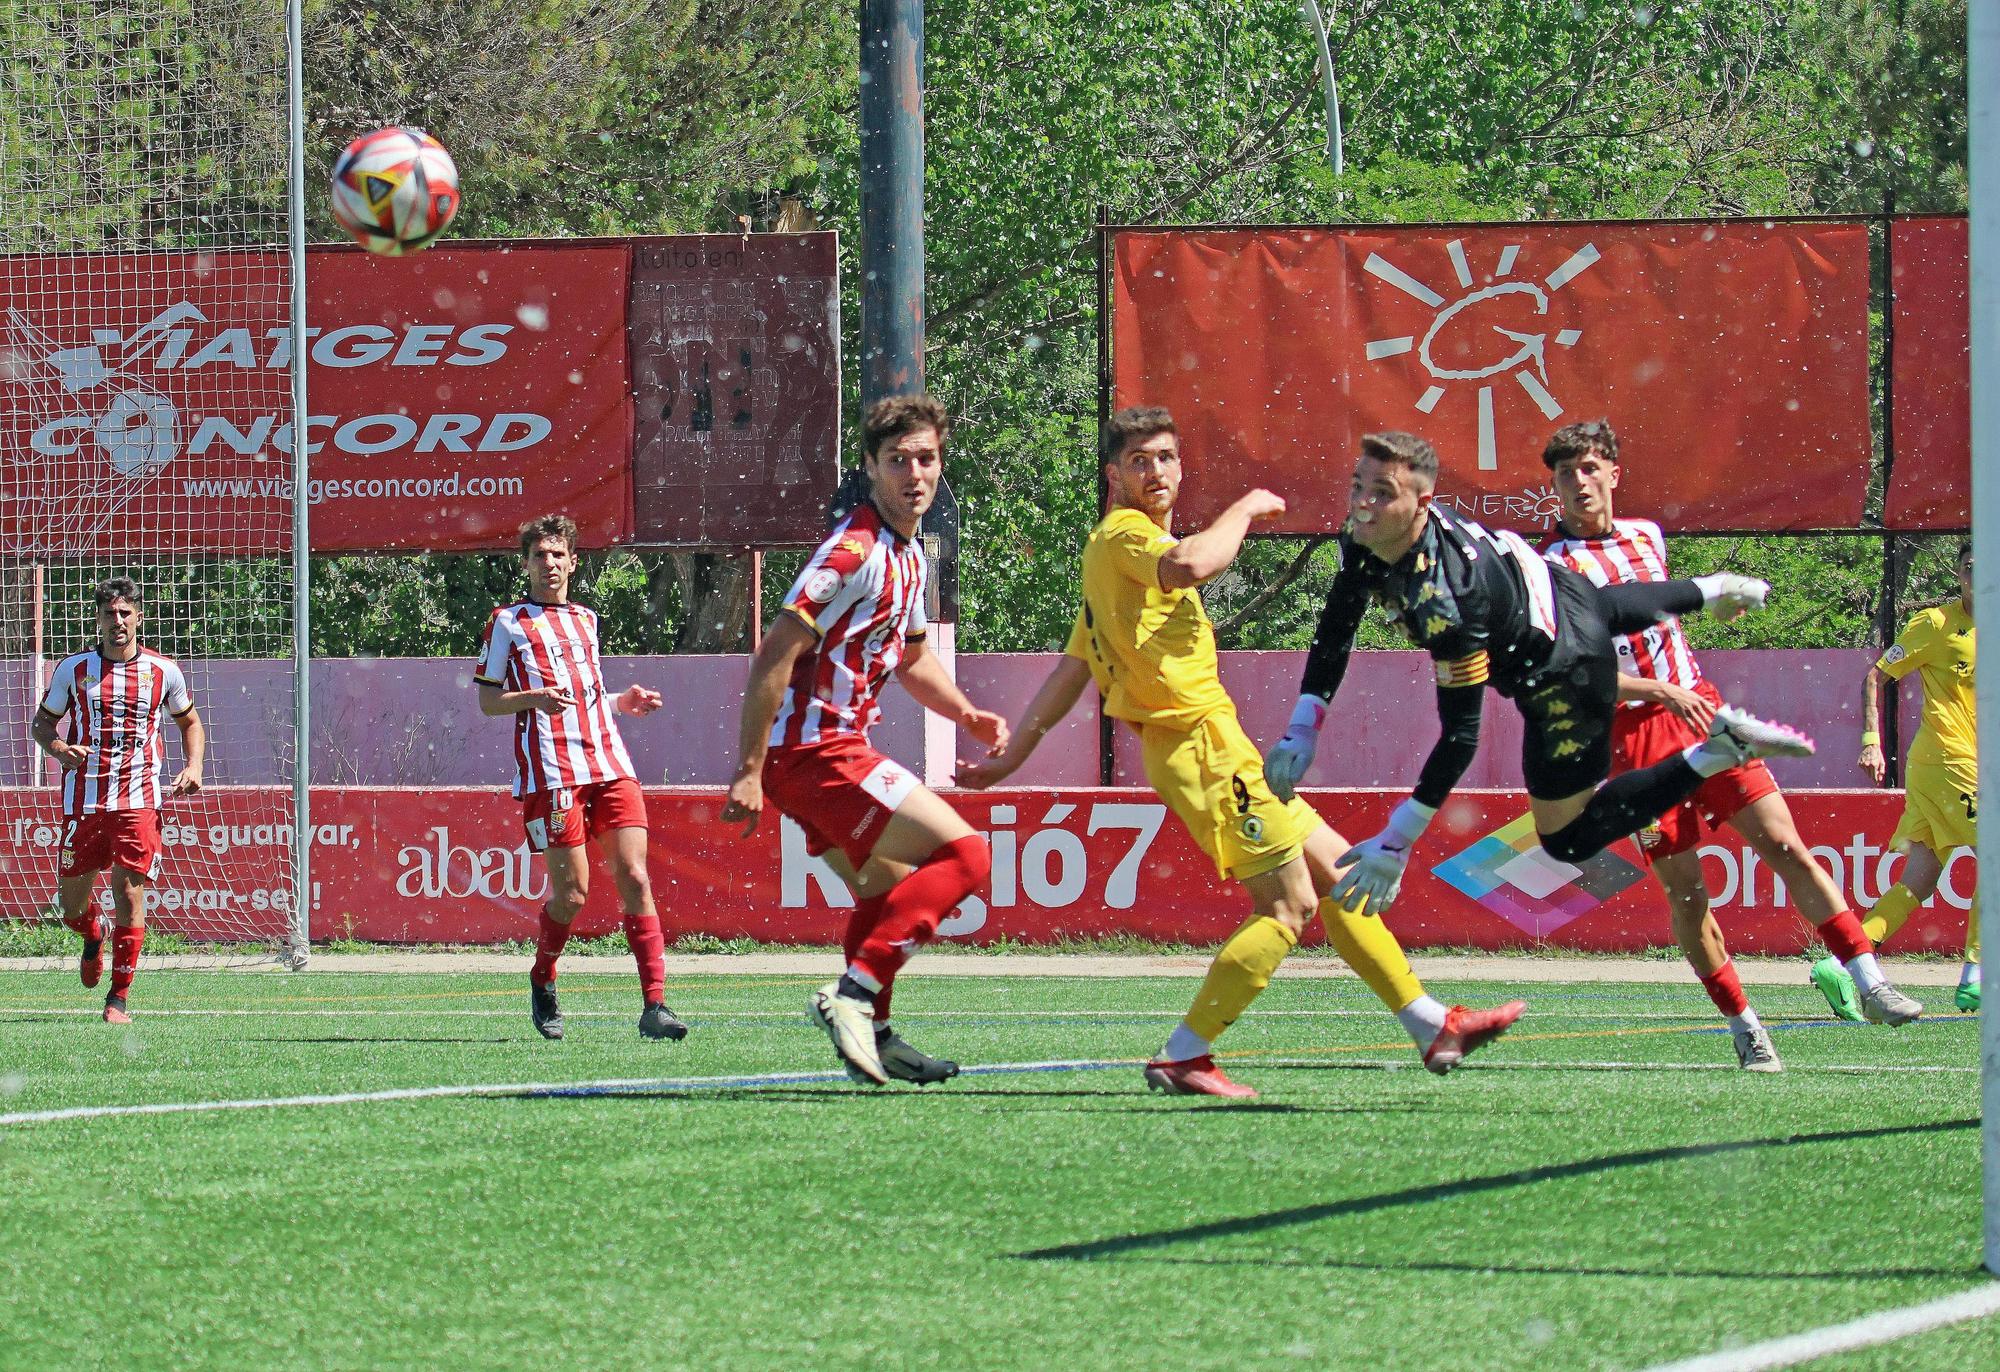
(821, 585)
(1895, 654)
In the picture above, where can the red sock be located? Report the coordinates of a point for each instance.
(649, 950)
(912, 911)
(1843, 936)
(860, 924)
(86, 924)
(125, 945)
(548, 947)
(1725, 989)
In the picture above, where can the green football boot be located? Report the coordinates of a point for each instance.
(1966, 997)
(1837, 987)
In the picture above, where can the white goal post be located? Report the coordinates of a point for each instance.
(1983, 158)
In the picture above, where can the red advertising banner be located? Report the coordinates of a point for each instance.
(451, 866)
(120, 376)
(461, 391)
(1930, 486)
(1731, 357)
(736, 377)
(145, 406)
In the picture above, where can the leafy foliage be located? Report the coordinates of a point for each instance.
(636, 116)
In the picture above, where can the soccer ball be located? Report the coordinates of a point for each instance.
(395, 190)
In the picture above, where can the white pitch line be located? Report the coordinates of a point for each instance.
(1884, 1326)
(607, 1086)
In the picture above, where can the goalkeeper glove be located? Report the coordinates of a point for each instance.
(1291, 755)
(1374, 867)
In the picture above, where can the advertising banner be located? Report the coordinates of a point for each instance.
(1731, 357)
(452, 866)
(461, 391)
(453, 394)
(736, 376)
(1930, 486)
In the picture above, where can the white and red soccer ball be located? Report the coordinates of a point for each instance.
(395, 190)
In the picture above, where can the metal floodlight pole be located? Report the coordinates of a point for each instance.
(892, 198)
(1318, 22)
(892, 288)
(299, 932)
(1983, 164)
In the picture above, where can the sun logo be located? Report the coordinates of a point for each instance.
(1526, 360)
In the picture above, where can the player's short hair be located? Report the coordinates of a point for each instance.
(893, 416)
(1577, 440)
(1964, 553)
(1405, 448)
(548, 526)
(1133, 424)
(117, 588)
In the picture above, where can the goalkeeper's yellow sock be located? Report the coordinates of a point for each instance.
(1365, 944)
(1891, 912)
(1240, 971)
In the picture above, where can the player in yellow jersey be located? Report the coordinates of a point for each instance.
(1143, 636)
(1941, 777)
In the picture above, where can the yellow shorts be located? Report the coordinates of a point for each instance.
(1940, 810)
(1212, 776)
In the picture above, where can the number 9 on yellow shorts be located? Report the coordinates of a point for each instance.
(1212, 777)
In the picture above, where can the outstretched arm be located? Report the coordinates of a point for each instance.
(1374, 867)
(1198, 557)
(1055, 699)
(784, 642)
(925, 678)
(1459, 710)
(1326, 664)
(1872, 760)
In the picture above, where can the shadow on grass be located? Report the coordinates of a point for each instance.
(1515, 1269)
(1451, 1190)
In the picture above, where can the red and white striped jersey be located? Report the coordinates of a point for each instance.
(862, 595)
(1636, 550)
(115, 709)
(529, 647)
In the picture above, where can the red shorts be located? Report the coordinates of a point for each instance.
(566, 816)
(841, 791)
(112, 838)
(1653, 733)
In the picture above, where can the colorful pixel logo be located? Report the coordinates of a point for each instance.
(1509, 874)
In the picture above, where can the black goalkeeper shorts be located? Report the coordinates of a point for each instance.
(1566, 708)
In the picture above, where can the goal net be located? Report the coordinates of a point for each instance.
(145, 422)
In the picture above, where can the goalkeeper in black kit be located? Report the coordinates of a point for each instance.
(1491, 611)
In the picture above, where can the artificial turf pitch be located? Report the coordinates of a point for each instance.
(1602, 1189)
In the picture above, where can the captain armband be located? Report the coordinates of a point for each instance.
(1471, 670)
